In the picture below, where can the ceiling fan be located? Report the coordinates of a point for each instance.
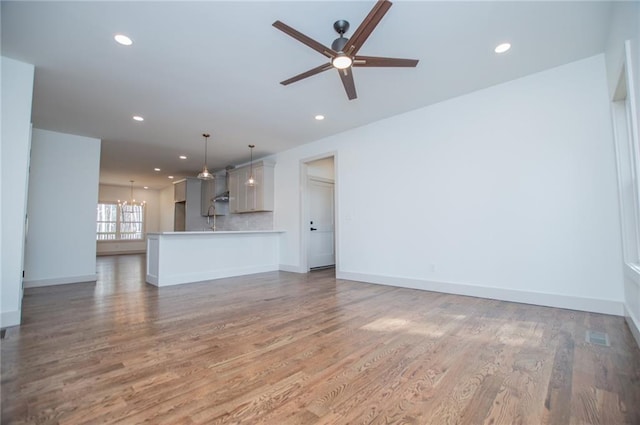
(343, 52)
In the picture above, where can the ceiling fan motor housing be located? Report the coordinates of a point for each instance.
(338, 43)
(341, 27)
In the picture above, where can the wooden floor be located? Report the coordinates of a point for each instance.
(282, 348)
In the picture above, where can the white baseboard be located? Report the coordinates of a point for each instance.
(292, 269)
(152, 279)
(537, 298)
(36, 283)
(134, 251)
(9, 318)
(633, 323)
(179, 279)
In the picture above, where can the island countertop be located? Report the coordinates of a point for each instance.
(175, 258)
(216, 232)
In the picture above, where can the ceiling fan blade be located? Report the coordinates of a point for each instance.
(366, 27)
(376, 61)
(318, 47)
(308, 73)
(346, 75)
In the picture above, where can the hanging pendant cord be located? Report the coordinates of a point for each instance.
(206, 137)
(251, 161)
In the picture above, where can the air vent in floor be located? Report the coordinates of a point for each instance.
(332, 266)
(598, 338)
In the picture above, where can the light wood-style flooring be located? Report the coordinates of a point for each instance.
(282, 348)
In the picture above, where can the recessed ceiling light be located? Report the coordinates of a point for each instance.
(156, 169)
(182, 157)
(501, 48)
(170, 177)
(146, 187)
(138, 118)
(123, 39)
(319, 117)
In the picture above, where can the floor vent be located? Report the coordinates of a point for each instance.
(598, 338)
(332, 266)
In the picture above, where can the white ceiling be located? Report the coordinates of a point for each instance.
(215, 67)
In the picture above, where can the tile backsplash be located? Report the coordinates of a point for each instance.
(245, 221)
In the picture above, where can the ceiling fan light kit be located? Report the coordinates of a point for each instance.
(341, 61)
(343, 52)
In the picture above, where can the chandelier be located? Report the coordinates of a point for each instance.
(131, 202)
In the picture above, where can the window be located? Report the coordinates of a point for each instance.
(119, 222)
(107, 222)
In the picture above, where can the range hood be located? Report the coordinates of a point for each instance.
(224, 196)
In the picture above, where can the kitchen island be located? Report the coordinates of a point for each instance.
(174, 258)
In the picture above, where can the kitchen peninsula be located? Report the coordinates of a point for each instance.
(174, 258)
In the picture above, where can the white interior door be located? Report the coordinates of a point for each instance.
(321, 247)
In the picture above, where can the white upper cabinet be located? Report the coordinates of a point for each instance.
(259, 197)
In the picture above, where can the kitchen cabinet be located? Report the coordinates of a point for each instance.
(180, 191)
(211, 189)
(187, 197)
(259, 197)
(207, 195)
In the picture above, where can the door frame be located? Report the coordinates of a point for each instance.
(304, 208)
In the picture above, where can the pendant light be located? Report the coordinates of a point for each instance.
(131, 201)
(205, 174)
(251, 182)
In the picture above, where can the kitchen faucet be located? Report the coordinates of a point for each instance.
(212, 209)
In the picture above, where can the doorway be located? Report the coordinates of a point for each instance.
(318, 227)
(628, 159)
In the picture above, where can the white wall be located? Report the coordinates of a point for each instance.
(625, 25)
(63, 194)
(508, 193)
(110, 193)
(17, 93)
